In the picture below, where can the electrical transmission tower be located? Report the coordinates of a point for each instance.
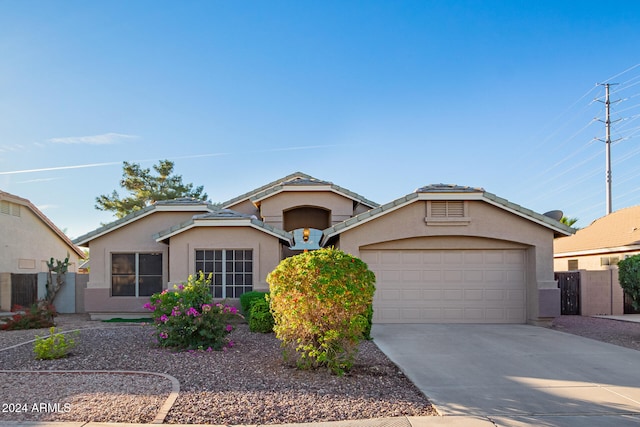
(607, 141)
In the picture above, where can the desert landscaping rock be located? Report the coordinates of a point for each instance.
(247, 384)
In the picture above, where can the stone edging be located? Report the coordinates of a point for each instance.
(162, 413)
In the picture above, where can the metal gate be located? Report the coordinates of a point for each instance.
(24, 289)
(569, 284)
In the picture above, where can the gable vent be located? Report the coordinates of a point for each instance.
(447, 209)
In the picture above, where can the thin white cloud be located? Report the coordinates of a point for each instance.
(59, 168)
(104, 139)
(29, 181)
(94, 165)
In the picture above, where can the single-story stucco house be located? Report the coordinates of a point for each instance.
(602, 244)
(587, 263)
(443, 253)
(29, 241)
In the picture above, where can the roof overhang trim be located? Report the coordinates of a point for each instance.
(429, 196)
(240, 222)
(600, 251)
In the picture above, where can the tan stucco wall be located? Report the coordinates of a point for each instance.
(490, 227)
(266, 250)
(271, 209)
(246, 207)
(28, 243)
(133, 237)
(588, 262)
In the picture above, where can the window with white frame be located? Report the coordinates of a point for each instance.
(231, 270)
(136, 274)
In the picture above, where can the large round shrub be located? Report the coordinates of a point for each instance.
(629, 278)
(319, 302)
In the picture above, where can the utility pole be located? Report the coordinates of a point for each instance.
(607, 141)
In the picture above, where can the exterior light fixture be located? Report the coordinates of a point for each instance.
(305, 235)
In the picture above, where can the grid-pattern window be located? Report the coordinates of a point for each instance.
(136, 274)
(231, 270)
(572, 264)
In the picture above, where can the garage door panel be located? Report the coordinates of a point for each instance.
(430, 286)
(474, 276)
(473, 295)
(452, 257)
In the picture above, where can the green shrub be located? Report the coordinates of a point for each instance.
(188, 319)
(247, 298)
(629, 278)
(319, 302)
(260, 317)
(55, 346)
(39, 315)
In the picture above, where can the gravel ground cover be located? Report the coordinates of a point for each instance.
(247, 384)
(625, 334)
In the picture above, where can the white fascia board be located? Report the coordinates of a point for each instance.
(292, 188)
(161, 208)
(602, 251)
(367, 219)
(220, 223)
(183, 208)
(525, 215)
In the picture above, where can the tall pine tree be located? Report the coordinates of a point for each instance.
(146, 188)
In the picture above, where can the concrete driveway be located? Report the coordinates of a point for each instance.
(517, 375)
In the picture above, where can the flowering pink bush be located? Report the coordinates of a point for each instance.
(188, 319)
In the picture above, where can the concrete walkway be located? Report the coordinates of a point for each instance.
(623, 317)
(517, 375)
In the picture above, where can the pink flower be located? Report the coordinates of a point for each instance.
(148, 306)
(164, 335)
(206, 308)
(230, 344)
(209, 349)
(181, 287)
(229, 328)
(192, 312)
(175, 312)
(164, 318)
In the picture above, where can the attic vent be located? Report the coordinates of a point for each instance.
(447, 209)
(447, 212)
(4, 207)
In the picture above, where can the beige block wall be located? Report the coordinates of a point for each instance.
(600, 293)
(28, 243)
(5, 292)
(266, 251)
(271, 209)
(489, 227)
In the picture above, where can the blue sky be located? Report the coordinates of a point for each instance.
(378, 97)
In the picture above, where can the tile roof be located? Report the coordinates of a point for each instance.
(37, 212)
(616, 230)
(220, 217)
(441, 191)
(183, 202)
(296, 179)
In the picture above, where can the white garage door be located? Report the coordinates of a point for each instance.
(448, 286)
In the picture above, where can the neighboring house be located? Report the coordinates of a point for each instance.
(440, 254)
(602, 244)
(593, 253)
(29, 240)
